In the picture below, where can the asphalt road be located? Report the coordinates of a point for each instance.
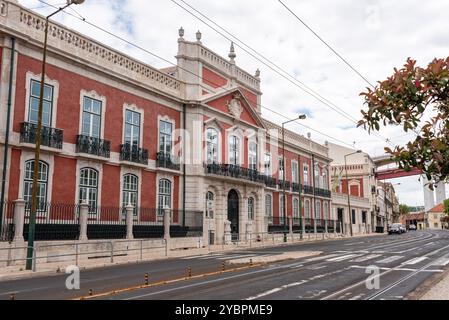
(403, 262)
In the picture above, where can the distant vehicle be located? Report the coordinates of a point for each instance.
(396, 228)
(403, 228)
(412, 227)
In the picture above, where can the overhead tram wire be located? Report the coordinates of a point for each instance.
(173, 64)
(327, 45)
(299, 83)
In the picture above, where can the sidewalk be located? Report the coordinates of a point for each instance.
(55, 268)
(440, 290)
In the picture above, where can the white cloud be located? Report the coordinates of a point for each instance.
(375, 36)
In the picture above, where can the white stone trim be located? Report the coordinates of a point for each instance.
(213, 125)
(47, 158)
(235, 131)
(137, 172)
(294, 162)
(169, 177)
(54, 108)
(173, 123)
(84, 163)
(93, 95)
(133, 107)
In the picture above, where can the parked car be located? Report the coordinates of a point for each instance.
(403, 228)
(412, 227)
(396, 228)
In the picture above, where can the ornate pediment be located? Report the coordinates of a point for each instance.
(235, 106)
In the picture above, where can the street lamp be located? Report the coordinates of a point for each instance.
(300, 117)
(32, 222)
(347, 183)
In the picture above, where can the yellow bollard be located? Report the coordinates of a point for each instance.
(146, 279)
(251, 262)
(12, 296)
(189, 272)
(223, 266)
(90, 292)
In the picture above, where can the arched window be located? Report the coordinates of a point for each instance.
(234, 150)
(212, 145)
(164, 197)
(250, 208)
(130, 191)
(268, 207)
(42, 182)
(295, 208)
(318, 210)
(252, 155)
(326, 210)
(307, 209)
(88, 188)
(209, 205)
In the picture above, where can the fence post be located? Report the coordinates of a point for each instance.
(290, 227)
(84, 211)
(167, 226)
(129, 221)
(19, 219)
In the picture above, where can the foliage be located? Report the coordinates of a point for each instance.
(446, 206)
(403, 209)
(417, 99)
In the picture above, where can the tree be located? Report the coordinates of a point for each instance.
(417, 99)
(446, 206)
(403, 209)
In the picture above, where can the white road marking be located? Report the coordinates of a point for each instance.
(398, 269)
(322, 257)
(269, 292)
(390, 259)
(202, 256)
(366, 258)
(415, 260)
(236, 257)
(357, 297)
(442, 262)
(341, 258)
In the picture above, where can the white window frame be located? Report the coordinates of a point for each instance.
(295, 178)
(90, 188)
(251, 205)
(54, 83)
(267, 170)
(307, 209)
(251, 155)
(92, 95)
(210, 211)
(305, 174)
(216, 154)
(237, 152)
(133, 108)
(172, 142)
(317, 209)
(269, 215)
(296, 213)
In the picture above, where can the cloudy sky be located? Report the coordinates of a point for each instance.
(374, 36)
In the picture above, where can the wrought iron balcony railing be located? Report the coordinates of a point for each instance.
(50, 137)
(308, 189)
(296, 187)
(323, 192)
(233, 171)
(165, 160)
(270, 182)
(284, 184)
(133, 153)
(94, 146)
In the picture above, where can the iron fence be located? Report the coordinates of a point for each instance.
(7, 225)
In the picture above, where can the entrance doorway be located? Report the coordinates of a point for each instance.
(233, 214)
(340, 220)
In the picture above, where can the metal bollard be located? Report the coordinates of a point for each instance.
(189, 272)
(251, 262)
(223, 266)
(146, 279)
(12, 296)
(90, 292)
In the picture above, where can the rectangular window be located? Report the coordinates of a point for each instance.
(306, 175)
(295, 171)
(267, 164)
(47, 105)
(91, 121)
(353, 216)
(132, 127)
(281, 168)
(234, 150)
(165, 136)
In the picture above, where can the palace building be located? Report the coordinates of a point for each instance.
(117, 131)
